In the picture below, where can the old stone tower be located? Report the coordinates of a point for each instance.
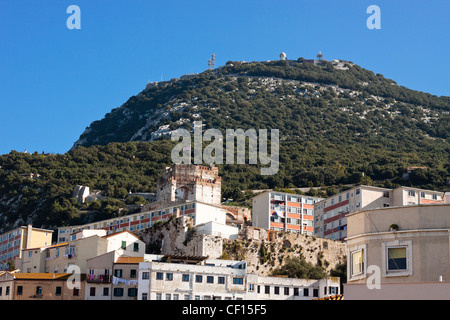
(187, 182)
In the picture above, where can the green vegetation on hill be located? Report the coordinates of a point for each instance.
(337, 127)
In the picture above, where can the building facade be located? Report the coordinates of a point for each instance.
(224, 280)
(201, 213)
(186, 182)
(14, 241)
(64, 257)
(330, 214)
(282, 211)
(112, 276)
(41, 286)
(399, 253)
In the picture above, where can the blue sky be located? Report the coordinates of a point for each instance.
(54, 81)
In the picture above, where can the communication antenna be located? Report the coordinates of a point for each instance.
(212, 62)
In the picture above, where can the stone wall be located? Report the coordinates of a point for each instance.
(264, 250)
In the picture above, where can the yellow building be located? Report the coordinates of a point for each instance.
(14, 241)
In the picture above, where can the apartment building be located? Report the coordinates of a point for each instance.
(14, 241)
(58, 258)
(283, 288)
(282, 211)
(202, 213)
(112, 276)
(224, 280)
(211, 280)
(330, 214)
(40, 286)
(399, 253)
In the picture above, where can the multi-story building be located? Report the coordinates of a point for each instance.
(212, 280)
(41, 286)
(399, 253)
(13, 242)
(201, 213)
(284, 212)
(282, 288)
(112, 276)
(224, 280)
(330, 214)
(58, 258)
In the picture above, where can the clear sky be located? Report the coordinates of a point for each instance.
(55, 81)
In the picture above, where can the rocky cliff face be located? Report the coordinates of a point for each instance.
(264, 251)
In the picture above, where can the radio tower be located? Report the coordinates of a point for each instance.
(212, 62)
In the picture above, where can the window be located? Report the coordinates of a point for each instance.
(396, 258)
(118, 273)
(118, 292)
(434, 196)
(198, 278)
(38, 290)
(422, 194)
(132, 292)
(145, 275)
(58, 291)
(209, 279)
(267, 289)
(411, 193)
(277, 290)
(175, 296)
(144, 296)
(19, 290)
(358, 191)
(92, 291)
(168, 296)
(185, 278)
(238, 280)
(7, 291)
(76, 292)
(386, 194)
(296, 292)
(136, 247)
(124, 245)
(158, 296)
(357, 262)
(251, 287)
(315, 292)
(286, 291)
(133, 273)
(306, 292)
(169, 276)
(106, 291)
(159, 276)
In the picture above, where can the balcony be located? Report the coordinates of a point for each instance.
(91, 278)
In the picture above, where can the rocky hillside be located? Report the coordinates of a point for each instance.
(339, 124)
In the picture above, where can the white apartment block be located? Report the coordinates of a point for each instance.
(178, 281)
(224, 280)
(282, 211)
(211, 217)
(330, 214)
